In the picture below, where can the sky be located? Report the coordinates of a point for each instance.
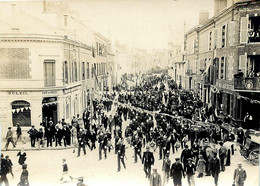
(137, 23)
(142, 23)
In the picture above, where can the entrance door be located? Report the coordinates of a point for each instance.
(49, 109)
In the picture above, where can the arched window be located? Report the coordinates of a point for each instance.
(21, 113)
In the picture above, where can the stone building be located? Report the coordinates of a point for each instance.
(49, 64)
(227, 59)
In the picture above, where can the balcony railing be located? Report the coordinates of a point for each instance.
(248, 83)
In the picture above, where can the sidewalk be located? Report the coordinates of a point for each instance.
(27, 147)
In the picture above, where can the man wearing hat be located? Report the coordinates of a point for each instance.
(9, 138)
(155, 179)
(33, 134)
(185, 155)
(166, 168)
(239, 175)
(190, 170)
(177, 172)
(148, 161)
(81, 182)
(222, 155)
(215, 168)
(19, 134)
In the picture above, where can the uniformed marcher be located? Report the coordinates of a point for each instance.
(222, 155)
(121, 154)
(148, 161)
(177, 172)
(81, 141)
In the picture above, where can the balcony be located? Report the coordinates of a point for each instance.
(248, 83)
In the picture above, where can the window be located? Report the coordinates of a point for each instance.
(210, 40)
(21, 113)
(75, 71)
(49, 73)
(223, 41)
(83, 70)
(87, 70)
(66, 74)
(222, 68)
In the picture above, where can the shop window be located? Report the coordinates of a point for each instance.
(21, 113)
(49, 73)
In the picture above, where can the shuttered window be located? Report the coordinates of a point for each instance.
(243, 30)
(230, 67)
(243, 64)
(49, 73)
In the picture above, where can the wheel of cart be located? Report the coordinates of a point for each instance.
(253, 157)
(251, 150)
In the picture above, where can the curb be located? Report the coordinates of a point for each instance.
(36, 149)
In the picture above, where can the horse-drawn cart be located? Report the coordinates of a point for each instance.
(251, 149)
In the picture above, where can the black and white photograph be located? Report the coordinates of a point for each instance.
(129, 92)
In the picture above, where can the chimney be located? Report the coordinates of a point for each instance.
(219, 5)
(203, 17)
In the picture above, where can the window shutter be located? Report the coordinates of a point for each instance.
(215, 40)
(226, 34)
(243, 30)
(230, 67)
(243, 63)
(219, 38)
(234, 33)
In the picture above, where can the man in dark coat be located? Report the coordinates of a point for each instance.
(222, 155)
(81, 141)
(185, 155)
(48, 136)
(121, 154)
(190, 170)
(33, 134)
(148, 161)
(215, 168)
(177, 172)
(4, 171)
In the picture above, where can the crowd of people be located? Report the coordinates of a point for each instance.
(162, 118)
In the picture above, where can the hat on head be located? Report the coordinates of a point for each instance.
(186, 146)
(221, 143)
(33, 126)
(9, 127)
(177, 159)
(24, 166)
(239, 163)
(147, 147)
(80, 179)
(189, 159)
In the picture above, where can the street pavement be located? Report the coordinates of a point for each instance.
(45, 168)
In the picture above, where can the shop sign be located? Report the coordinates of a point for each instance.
(224, 85)
(18, 93)
(46, 92)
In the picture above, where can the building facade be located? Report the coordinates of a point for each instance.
(48, 71)
(227, 65)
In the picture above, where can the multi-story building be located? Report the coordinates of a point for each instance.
(227, 58)
(46, 71)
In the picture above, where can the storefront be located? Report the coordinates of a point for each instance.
(49, 109)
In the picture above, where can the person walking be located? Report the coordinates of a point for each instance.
(147, 161)
(177, 172)
(201, 166)
(155, 178)
(22, 157)
(121, 154)
(239, 175)
(9, 165)
(222, 155)
(166, 167)
(33, 134)
(215, 168)
(65, 170)
(4, 171)
(81, 142)
(9, 138)
(24, 176)
(19, 134)
(190, 170)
